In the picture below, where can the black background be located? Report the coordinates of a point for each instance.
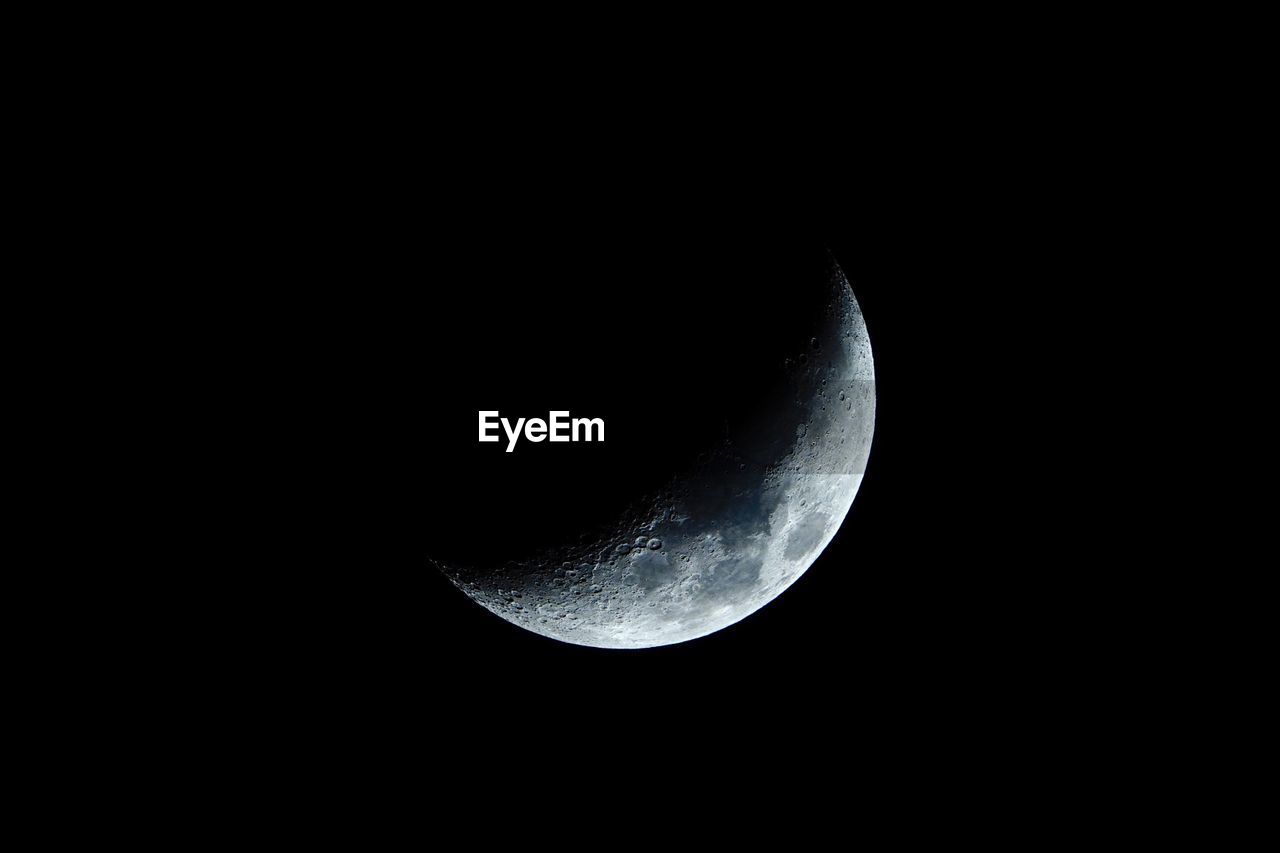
(338, 275)
(355, 283)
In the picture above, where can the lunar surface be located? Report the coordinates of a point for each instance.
(726, 538)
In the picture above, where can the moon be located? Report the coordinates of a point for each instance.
(721, 541)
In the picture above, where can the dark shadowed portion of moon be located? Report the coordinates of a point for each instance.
(725, 538)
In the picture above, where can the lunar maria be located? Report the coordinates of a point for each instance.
(558, 427)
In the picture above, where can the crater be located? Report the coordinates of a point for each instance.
(650, 570)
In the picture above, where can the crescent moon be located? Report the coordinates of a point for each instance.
(721, 541)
